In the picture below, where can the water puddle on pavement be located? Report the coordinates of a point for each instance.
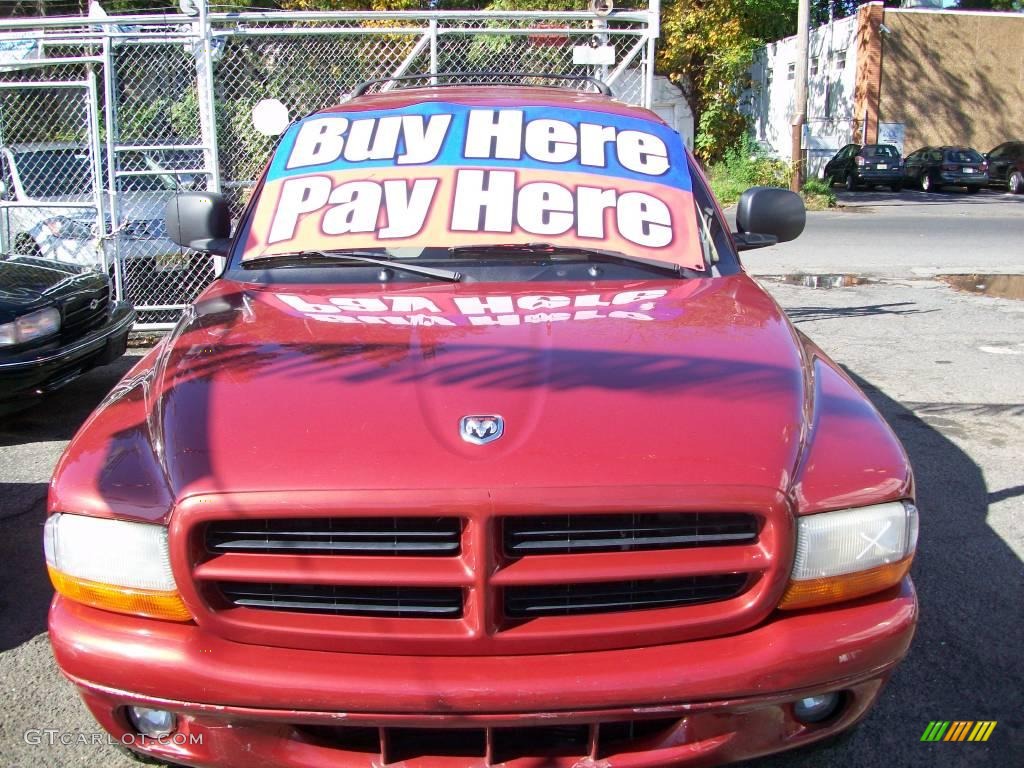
(1000, 286)
(824, 281)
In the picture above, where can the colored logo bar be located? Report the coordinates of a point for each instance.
(958, 730)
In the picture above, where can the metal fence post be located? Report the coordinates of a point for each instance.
(653, 33)
(207, 98)
(110, 139)
(433, 50)
(92, 136)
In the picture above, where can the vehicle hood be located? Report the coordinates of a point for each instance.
(363, 387)
(27, 283)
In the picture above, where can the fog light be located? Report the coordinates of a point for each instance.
(154, 723)
(815, 709)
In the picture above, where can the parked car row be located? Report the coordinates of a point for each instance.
(929, 168)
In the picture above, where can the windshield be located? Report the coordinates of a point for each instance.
(963, 156)
(880, 150)
(68, 173)
(55, 172)
(420, 182)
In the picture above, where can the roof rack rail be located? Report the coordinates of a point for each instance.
(482, 78)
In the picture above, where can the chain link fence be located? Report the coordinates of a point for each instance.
(103, 119)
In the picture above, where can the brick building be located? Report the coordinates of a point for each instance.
(910, 77)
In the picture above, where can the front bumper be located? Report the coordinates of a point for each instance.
(965, 180)
(46, 368)
(891, 176)
(725, 698)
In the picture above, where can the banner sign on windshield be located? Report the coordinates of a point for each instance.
(442, 175)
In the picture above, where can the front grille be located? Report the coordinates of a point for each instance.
(477, 578)
(567, 534)
(498, 745)
(397, 602)
(372, 536)
(529, 602)
(84, 312)
(144, 229)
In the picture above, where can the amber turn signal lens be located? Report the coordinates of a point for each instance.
(833, 589)
(138, 602)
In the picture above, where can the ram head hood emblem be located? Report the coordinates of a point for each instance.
(481, 429)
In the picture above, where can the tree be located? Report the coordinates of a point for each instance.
(707, 48)
(824, 10)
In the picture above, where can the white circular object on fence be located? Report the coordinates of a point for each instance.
(270, 117)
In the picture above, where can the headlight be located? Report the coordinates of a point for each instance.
(850, 553)
(34, 325)
(71, 229)
(113, 564)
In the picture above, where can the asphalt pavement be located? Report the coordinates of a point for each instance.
(906, 234)
(945, 367)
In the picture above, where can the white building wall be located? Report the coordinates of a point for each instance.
(832, 77)
(667, 101)
(671, 106)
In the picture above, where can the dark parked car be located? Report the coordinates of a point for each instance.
(57, 321)
(932, 168)
(1006, 166)
(857, 165)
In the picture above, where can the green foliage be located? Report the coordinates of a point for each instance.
(249, 149)
(816, 187)
(752, 165)
(167, 117)
(707, 47)
(818, 195)
(742, 166)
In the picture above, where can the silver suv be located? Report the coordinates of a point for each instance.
(48, 205)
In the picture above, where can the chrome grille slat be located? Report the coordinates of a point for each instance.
(310, 547)
(635, 542)
(422, 537)
(567, 534)
(399, 602)
(77, 316)
(574, 599)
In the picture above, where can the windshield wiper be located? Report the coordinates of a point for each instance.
(308, 258)
(591, 254)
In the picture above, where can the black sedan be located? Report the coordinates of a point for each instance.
(865, 165)
(57, 321)
(1006, 166)
(932, 168)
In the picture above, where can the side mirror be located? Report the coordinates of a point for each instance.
(768, 215)
(199, 220)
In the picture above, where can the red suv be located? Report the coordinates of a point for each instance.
(483, 450)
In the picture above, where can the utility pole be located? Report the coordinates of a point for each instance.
(803, 21)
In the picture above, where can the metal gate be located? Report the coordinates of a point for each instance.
(163, 103)
(50, 158)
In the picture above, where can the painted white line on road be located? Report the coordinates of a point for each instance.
(1015, 350)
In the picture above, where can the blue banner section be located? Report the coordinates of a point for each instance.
(455, 135)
